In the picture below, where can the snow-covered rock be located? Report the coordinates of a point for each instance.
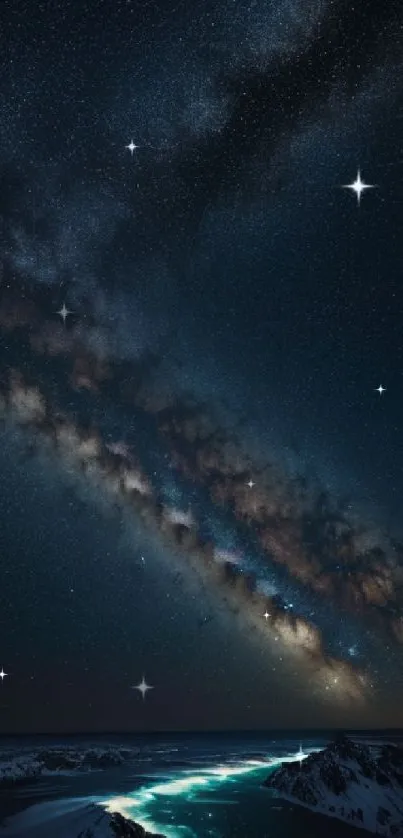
(123, 828)
(17, 769)
(26, 765)
(355, 783)
(72, 819)
(100, 824)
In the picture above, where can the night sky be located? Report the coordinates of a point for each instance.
(200, 481)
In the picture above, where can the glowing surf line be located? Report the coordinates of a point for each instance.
(187, 784)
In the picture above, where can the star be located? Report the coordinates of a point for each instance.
(132, 146)
(64, 312)
(266, 615)
(358, 186)
(300, 755)
(380, 389)
(250, 484)
(143, 687)
(3, 674)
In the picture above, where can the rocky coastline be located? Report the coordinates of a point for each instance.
(357, 783)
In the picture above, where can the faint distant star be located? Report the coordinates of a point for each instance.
(64, 312)
(358, 186)
(250, 484)
(3, 674)
(132, 147)
(380, 389)
(143, 687)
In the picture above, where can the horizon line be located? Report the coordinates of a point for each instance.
(201, 731)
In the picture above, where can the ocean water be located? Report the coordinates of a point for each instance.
(182, 786)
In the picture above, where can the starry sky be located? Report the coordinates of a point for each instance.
(200, 479)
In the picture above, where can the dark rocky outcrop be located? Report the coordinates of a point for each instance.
(58, 759)
(354, 782)
(124, 828)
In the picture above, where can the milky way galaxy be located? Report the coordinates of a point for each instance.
(200, 480)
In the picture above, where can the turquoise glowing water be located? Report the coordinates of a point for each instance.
(194, 804)
(178, 785)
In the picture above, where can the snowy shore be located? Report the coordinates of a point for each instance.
(357, 783)
(19, 766)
